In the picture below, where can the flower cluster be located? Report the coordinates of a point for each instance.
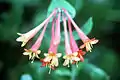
(73, 55)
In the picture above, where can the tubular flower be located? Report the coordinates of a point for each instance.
(51, 58)
(69, 57)
(73, 53)
(24, 38)
(87, 42)
(73, 44)
(33, 52)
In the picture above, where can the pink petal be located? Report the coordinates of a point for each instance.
(39, 40)
(73, 44)
(80, 32)
(57, 31)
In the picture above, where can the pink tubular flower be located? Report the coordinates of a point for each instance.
(87, 42)
(69, 57)
(73, 44)
(73, 53)
(51, 58)
(57, 31)
(24, 38)
(33, 51)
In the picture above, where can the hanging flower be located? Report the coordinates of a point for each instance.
(51, 58)
(24, 38)
(33, 51)
(70, 57)
(73, 44)
(32, 54)
(87, 42)
(73, 53)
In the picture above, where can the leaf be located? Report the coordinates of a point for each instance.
(97, 73)
(101, 56)
(61, 4)
(92, 72)
(59, 72)
(87, 27)
(62, 74)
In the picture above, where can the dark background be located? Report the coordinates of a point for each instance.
(22, 15)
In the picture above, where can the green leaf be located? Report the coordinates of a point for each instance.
(97, 73)
(62, 74)
(92, 72)
(61, 4)
(101, 56)
(87, 27)
(59, 72)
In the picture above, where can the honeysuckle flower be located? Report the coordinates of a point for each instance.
(51, 58)
(73, 53)
(33, 51)
(87, 42)
(69, 57)
(73, 44)
(46, 64)
(32, 54)
(24, 38)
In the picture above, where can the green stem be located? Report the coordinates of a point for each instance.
(73, 72)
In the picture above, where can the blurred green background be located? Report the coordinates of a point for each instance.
(22, 15)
